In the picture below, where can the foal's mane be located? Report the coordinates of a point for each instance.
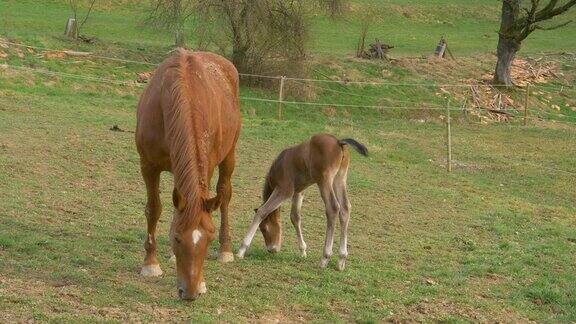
(183, 128)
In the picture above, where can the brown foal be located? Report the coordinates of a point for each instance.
(323, 160)
(188, 122)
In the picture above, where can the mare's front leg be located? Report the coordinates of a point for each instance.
(273, 202)
(224, 191)
(151, 177)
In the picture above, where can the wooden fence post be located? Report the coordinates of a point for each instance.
(448, 139)
(281, 97)
(526, 104)
(71, 28)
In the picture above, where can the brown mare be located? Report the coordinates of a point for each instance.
(188, 123)
(323, 160)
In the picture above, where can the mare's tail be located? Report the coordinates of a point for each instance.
(360, 148)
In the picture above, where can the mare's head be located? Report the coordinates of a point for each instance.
(271, 228)
(190, 241)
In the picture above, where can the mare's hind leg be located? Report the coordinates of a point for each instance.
(332, 209)
(273, 202)
(342, 195)
(224, 190)
(151, 177)
(296, 221)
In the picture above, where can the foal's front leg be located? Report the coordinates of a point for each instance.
(273, 202)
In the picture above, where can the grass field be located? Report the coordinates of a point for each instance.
(493, 240)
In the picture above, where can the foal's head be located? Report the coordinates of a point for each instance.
(190, 241)
(271, 228)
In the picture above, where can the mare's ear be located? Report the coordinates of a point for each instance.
(178, 200)
(212, 204)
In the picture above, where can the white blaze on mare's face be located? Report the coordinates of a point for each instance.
(196, 235)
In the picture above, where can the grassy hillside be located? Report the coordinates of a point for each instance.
(494, 240)
(414, 26)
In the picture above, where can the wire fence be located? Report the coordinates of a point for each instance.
(342, 82)
(280, 102)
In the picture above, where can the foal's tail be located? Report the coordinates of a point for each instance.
(360, 148)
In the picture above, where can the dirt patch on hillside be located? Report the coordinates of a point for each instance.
(438, 310)
(54, 299)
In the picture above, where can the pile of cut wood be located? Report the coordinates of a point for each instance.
(377, 50)
(525, 71)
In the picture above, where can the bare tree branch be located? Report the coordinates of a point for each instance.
(553, 27)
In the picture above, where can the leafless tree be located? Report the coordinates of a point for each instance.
(265, 36)
(334, 7)
(74, 6)
(367, 19)
(172, 15)
(520, 19)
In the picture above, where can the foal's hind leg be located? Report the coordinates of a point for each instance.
(151, 177)
(273, 202)
(296, 221)
(332, 210)
(342, 195)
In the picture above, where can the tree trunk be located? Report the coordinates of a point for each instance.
(507, 43)
(507, 49)
(239, 58)
(179, 38)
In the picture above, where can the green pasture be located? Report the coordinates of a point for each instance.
(495, 240)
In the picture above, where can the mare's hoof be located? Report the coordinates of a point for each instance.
(151, 270)
(324, 263)
(173, 259)
(202, 288)
(341, 264)
(303, 253)
(226, 257)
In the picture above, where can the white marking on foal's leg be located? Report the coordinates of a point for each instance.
(226, 257)
(196, 235)
(303, 249)
(271, 204)
(202, 287)
(151, 270)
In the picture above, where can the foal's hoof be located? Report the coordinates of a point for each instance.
(341, 264)
(226, 257)
(151, 270)
(303, 253)
(324, 263)
(241, 252)
(173, 259)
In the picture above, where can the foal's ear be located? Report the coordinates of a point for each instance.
(255, 210)
(178, 200)
(212, 204)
